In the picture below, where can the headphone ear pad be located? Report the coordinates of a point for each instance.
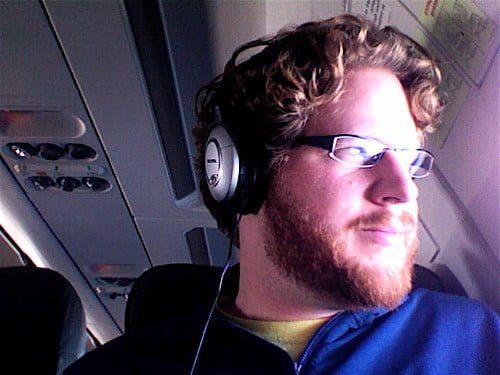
(246, 199)
(222, 164)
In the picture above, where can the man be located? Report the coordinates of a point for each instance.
(324, 127)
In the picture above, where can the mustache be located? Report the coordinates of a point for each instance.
(405, 220)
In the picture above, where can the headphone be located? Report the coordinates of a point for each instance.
(231, 171)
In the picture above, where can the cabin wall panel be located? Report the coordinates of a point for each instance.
(464, 262)
(109, 76)
(470, 159)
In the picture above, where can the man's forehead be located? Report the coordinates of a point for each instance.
(373, 104)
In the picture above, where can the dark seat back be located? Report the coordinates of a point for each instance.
(175, 290)
(425, 278)
(43, 323)
(183, 289)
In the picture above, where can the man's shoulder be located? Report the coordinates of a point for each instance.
(169, 347)
(446, 312)
(134, 351)
(440, 302)
(432, 332)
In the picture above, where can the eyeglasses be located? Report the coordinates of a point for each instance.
(363, 152)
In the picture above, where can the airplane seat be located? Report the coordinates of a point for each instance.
(425, 278)
(175, 290)
(43, 322)
(178, 289)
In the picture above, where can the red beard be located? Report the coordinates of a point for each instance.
(317, 259)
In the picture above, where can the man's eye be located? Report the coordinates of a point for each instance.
(352, 151)
(355, 155)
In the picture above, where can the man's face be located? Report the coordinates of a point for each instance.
(346, 234)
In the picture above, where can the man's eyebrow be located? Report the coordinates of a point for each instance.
(375, 138)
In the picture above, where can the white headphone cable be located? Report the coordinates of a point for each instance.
(214, 303)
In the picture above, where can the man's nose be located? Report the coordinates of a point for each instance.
(392, 183)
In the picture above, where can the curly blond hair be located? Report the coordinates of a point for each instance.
(267, 100)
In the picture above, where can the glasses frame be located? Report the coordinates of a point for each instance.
(328, 142)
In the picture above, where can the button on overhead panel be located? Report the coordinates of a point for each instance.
(51, 151)
(22, 150)
(80, 152)
(40, 149)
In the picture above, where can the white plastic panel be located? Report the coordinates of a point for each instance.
(165, 238)
(428, 248)
(23, 223)
(470, 159)
(109, 75)
(464, 258)
(21, 84)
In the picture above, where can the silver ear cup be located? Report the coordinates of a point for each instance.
(222, 164)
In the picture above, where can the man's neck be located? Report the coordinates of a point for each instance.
(267, 295)
(265, 292)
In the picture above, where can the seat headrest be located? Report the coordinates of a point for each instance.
(425, 278)
(175, 290)
(43, 323)
(185, 289)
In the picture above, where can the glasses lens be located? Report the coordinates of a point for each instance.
(365, 152)
(420, 164)
(357, 151)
